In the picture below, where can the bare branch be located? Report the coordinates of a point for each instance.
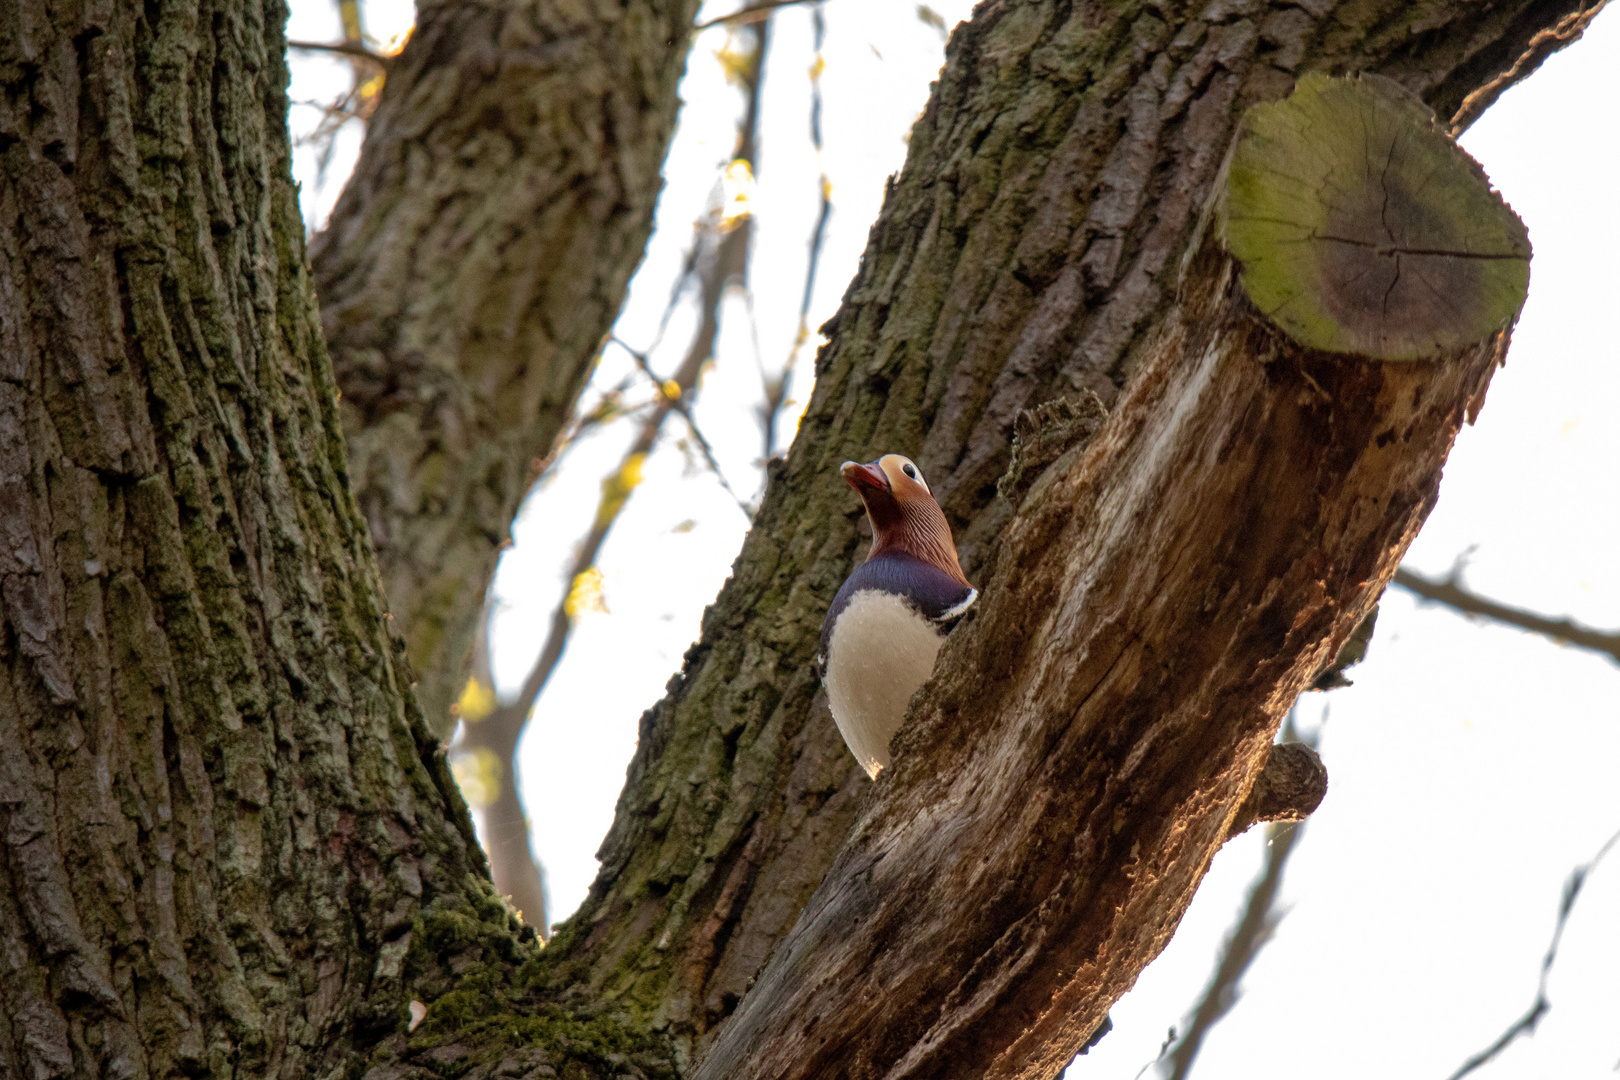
(344, 48)
(518, 876)
(1526, 1024)
(1259, 920)
(610, 406)
(368, 70)
(776, 390)
(746, 507)
(753, 13)
(678, 400)
(1451, 593)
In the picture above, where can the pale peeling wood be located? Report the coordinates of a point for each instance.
(1350, 240)
(1094, 734)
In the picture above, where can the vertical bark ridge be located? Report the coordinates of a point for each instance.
(476, 258)
(1026, 251)
(221, 812)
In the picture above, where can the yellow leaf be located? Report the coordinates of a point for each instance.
(736, 192)
(476, 701)
(617, 488)
(478, 774)
(585, 594)
(739, 65)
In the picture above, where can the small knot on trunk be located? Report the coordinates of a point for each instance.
(1290, 787)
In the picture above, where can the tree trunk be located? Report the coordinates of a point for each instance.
(230, 843)
(1029, 250)
(223, 817)
(1158, 602)
(470, 269)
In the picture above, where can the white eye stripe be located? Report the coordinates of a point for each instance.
(897, 466)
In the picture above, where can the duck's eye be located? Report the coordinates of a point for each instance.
(909, 469)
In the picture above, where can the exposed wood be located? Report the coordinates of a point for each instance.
(469, 272)
(1064, 781)
(1350, 262)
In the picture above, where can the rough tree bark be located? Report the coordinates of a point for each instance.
(229, 841)
(1158, 601)
(1027, 251)
(476, 258)
(222, 813)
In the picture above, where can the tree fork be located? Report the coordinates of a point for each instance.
(1158, 602)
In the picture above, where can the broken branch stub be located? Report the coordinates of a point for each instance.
(1361, 227)
(1093, 732)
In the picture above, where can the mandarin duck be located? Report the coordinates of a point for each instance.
(891, 616)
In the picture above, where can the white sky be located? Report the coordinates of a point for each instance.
(1472, 765)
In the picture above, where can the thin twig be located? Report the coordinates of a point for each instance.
(753, 13)
(747, 508)
(1451, 593)
(683, 406)
(1526, 1024)
(609, 407)
(360, 100)
(1250, 934)
(776, 390)
(1169, 1037)
(343, 48)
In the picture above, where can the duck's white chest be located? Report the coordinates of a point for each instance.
(880, 651)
